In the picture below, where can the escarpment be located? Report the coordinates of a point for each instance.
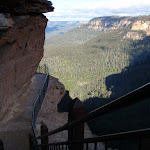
(115, 22)
(138, 27)
(22, 34)
(108, 23)
(142, 25)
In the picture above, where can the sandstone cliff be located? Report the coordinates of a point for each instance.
(108, 23)
(134, 25)
(134, 35)
(22, 34)
(142, 25)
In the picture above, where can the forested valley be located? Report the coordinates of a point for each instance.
(100, 66)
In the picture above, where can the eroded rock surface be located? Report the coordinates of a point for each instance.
(22, 34)
(26, 6)
(134, 35)
(53, 119)
(16, 123)
(108, 23)
(142, 25)
(115, 22)
(49, 113)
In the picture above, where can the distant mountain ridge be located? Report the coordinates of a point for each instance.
(107, 23)
(116, 22)
(60, 27)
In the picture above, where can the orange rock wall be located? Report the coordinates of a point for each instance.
(108, 23)
(21, 49)
(142, 25)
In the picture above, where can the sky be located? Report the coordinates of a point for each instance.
(84, 10)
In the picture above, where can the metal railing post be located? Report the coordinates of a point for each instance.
(76, 111)
(44, 140)
(1, 145)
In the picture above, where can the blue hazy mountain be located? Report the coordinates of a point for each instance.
(60, 27)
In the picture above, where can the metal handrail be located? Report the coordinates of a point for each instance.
(39, 100)
(133, 97)
(102, 138)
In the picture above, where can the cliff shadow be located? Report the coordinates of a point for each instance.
(130, 78)
(63, 105)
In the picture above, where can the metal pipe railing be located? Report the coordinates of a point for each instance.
(39, 100)
(103, 138)
(133, 97)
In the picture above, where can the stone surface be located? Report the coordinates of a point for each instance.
(111, 23)
(21, 49)
(108, 23)
(142, 25)
(25, 6)
(134, 35)
(22, 35)
(53, 119)
(49, 113)
(5, 23)
(16, 122)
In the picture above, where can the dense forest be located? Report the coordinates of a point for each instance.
(98, 67)
(88, 62)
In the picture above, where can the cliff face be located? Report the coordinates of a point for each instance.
(134, 35)
(25, 6)
(108, 23)
(22, 35)
(135, 24)
(142, 25)
(111, 23)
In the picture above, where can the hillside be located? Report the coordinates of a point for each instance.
(85, 60)
(74, 37)
(55, 28)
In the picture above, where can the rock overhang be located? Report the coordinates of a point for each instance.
(25, 6)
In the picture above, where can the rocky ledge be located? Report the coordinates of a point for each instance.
(25, 6)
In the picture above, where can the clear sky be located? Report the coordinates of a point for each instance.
(84, 10)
